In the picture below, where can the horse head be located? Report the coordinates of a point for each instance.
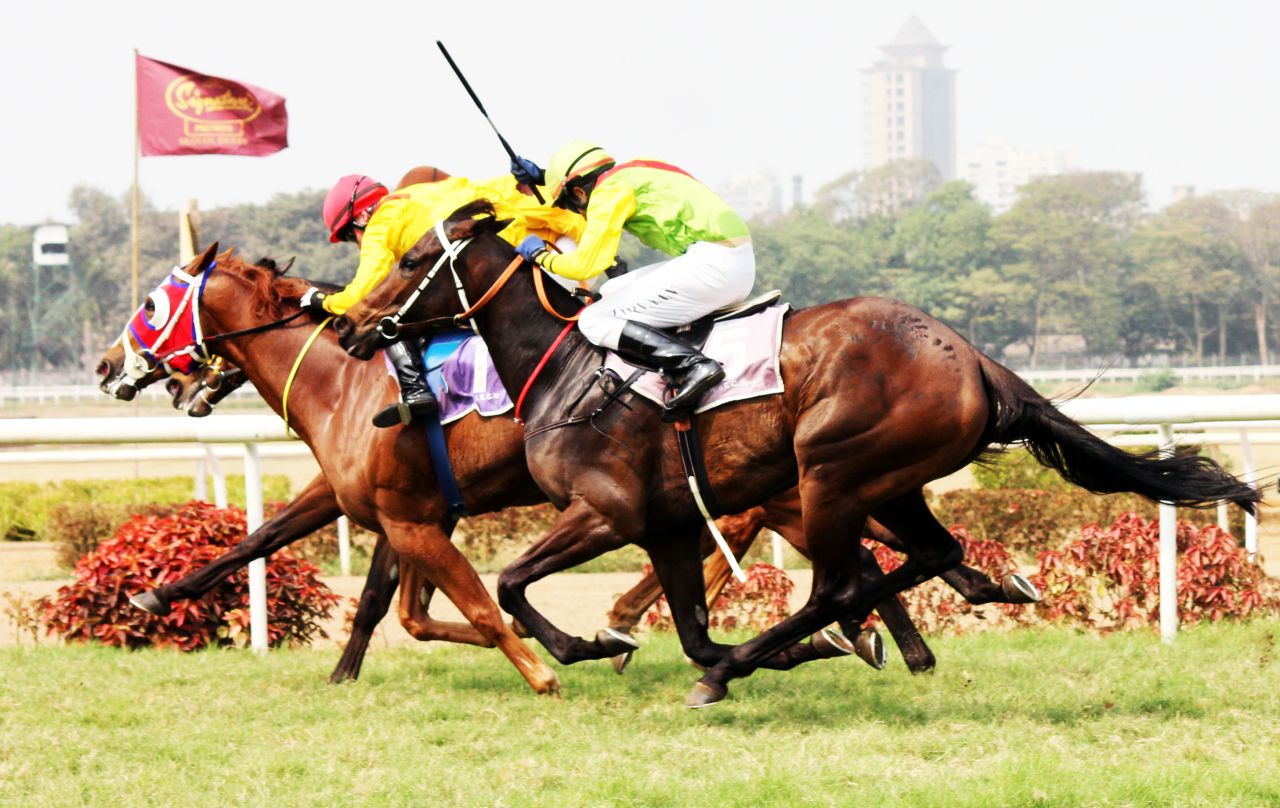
(165, 319)
(199, 391)
(167, 334)
(409, 291)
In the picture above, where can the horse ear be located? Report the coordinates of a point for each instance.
(206, 258)
(284, 270)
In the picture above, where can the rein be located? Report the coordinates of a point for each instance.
(293, 372)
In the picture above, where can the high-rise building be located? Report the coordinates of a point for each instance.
(997, 171)
(909, 102)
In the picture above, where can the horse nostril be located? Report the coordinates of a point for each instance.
(341, 326)
(173, 386)
(103, 368)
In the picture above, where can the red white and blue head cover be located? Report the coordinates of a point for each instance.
(170, 333)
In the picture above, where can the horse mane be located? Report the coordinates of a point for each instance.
(265, 297)
(483, 212)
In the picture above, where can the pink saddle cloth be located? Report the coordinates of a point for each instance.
(748, 350)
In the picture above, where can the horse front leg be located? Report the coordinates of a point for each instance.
(416, 591)
(425, 543)
(375, 599)
(311, 510)
(580, 534)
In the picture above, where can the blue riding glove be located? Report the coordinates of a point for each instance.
(531, 248)
(527, 172)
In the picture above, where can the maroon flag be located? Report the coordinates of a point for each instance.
(184, 112)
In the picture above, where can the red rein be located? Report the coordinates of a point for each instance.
(541, 364)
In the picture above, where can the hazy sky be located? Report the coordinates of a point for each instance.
(1182, 92)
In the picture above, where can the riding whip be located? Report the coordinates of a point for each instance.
(510, 151)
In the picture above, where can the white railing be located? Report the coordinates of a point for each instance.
(251, 436)
(1182, 374)
(1146, 420)
(67, 393)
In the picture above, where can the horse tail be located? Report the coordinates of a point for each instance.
(1019, 413)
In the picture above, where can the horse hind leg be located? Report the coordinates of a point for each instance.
(973, 585)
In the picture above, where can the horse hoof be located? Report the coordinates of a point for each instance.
(149, 603)
(621, 661)
(870, 649)
(831, 642)
(1018, 589)
(615, 642)
(704, 695)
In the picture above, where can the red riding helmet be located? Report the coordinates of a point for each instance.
(347, 199)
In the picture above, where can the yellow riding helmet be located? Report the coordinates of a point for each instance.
(572, 160)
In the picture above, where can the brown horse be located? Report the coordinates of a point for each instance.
(198, 393)
(318, 504)
(381, 478)
(880, 399)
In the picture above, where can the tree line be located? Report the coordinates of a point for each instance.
(1076, 254)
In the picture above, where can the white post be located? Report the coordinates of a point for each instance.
(1168, 552)
(202, 480)
(257, 568)
(1224, 518)
(219, 478)
(344, 545)
(1250, 476)
(776, 541)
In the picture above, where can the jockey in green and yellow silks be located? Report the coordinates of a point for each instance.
(386, 225)
(713, 264)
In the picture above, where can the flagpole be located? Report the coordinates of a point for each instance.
(137, 150)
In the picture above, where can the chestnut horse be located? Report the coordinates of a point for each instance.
(880, 399)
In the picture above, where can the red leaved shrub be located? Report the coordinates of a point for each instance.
(758, 603)
(1029, 520)
(151, 550)
(1108, 579)
(935, 606)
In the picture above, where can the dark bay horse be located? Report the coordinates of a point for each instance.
(880, 399)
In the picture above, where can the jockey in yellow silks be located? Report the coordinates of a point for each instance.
(386, 225)
(713, 264)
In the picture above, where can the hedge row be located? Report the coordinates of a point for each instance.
(33, 511)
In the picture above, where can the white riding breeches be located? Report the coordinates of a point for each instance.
(707, 277)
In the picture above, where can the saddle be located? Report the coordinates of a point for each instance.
(695, 334)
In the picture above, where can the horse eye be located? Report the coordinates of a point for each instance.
(408, 264)
(149, 307)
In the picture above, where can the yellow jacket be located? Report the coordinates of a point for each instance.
(402, 218)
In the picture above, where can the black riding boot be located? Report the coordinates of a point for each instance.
(687, 369)
(415, 396)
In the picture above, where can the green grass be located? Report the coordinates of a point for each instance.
(1045, 718)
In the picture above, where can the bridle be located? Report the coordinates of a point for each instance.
(138, 365)
(389, 327)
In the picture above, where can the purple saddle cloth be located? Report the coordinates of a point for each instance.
(462, 377)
